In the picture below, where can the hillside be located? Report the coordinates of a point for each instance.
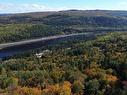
(16, 27)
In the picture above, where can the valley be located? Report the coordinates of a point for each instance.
(71, 52)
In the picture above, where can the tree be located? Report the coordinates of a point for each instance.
(77, 87)
(92, 87)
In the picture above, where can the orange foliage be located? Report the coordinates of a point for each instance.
(94, 72)
(111, 78)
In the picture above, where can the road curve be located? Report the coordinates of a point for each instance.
(6, 45)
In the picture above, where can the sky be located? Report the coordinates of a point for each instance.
(22, 6)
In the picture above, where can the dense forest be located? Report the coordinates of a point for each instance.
(94, 67)
(18, 32)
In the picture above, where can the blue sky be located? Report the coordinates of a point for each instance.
(20, 6)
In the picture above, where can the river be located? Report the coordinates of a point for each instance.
(10, 49)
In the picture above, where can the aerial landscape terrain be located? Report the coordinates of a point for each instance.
(65, 52)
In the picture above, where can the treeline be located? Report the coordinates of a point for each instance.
(95, 67)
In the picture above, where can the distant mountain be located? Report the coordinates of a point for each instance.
(4, 14)
(102, 18)
(74, 13)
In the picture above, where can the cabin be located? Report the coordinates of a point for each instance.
(43, 53)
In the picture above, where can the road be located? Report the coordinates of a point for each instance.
(6, 45)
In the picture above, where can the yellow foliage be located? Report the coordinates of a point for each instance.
(64, 89)
(28, 91)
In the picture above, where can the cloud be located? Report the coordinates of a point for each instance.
(123, 3)
(21, 8)
(4, 6)
(36, 7)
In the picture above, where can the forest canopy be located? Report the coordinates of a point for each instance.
(94, 67)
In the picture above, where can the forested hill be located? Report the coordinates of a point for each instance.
(103, 18)
(23, 26)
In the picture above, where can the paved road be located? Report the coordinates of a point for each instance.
(2, 46)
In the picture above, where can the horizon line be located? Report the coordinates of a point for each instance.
(62, 10)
